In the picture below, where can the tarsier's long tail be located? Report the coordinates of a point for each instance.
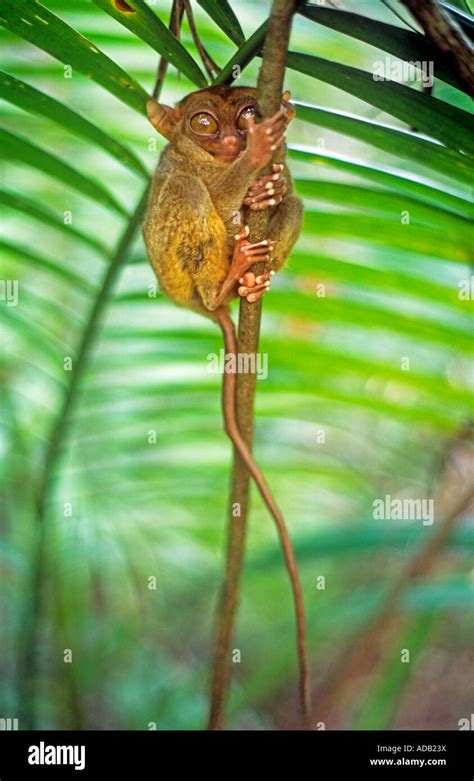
(232, 429)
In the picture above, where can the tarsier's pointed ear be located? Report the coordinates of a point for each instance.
(163, 118)
(287, 105)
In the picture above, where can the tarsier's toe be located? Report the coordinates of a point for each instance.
(264, 278)
(260, 250)
(252, 287)
(248, 279)
(243, 233)
(255, 296)
(254, 293)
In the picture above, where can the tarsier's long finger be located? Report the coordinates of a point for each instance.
(266, 203)
(276, 191)
(258, 250)
(281, 115)
(267, 181)
(276, 183)
(266, 195)
(265, 277)
(274, 128)
(277, 131)
(271, 125)
(277, 123)
(277, 142)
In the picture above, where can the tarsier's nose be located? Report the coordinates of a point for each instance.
(231, 144)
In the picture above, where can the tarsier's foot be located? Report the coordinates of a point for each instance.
(252, 288)
(268, 191)
(246, 254)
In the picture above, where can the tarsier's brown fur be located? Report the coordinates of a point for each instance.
(202, 187)
(196, 207)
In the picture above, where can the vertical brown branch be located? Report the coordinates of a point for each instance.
(176, 17)
(446, 34)
(269, 87)
(207, 61)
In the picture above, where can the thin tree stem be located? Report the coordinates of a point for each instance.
(269, 87)
(448, 36)
(176, 17)
(208, 62)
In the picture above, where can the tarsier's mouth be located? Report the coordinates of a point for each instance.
(227, 156)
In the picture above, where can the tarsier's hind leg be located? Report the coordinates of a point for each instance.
(232, 429)
(193, 265)
(244, 255)
(186, 241)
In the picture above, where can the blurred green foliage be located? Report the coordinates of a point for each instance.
(125, 455)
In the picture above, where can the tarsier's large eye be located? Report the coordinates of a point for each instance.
(204, 123)
(242, 121)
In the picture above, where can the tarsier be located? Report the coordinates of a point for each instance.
(203, 186)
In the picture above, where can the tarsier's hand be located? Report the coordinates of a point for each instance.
(265, 138)
(268, 191)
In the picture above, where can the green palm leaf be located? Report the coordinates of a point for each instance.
(363, 293)
(30, 99)
(32, 21)
(15, 147)
(396, 142)
(434, 117)
(221, 12)
(405, 44)
(140, 19)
